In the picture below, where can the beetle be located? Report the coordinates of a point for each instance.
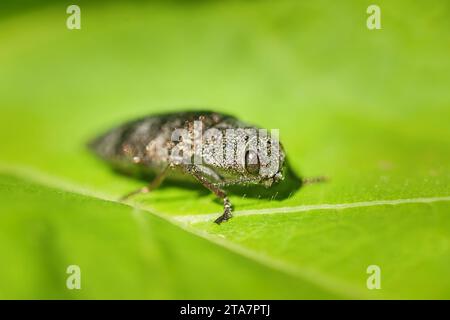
(215, 149)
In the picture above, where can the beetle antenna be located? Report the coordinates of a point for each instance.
(313, 180)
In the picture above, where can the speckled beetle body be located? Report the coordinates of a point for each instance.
(213, 148)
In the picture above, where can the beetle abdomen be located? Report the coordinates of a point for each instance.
(145, 144)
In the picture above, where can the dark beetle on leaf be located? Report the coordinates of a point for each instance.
(215, 149)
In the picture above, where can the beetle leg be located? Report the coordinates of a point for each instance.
(227, 207)
(152, 186)
(210, 173)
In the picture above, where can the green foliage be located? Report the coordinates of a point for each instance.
(369, 109)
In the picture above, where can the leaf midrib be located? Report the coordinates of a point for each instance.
(307, 208)
(336, 286)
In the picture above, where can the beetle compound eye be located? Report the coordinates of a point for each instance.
(251, 162)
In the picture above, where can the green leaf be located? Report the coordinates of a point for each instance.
(368, 109)
(123, 253)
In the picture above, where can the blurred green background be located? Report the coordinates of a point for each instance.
(368, 108)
